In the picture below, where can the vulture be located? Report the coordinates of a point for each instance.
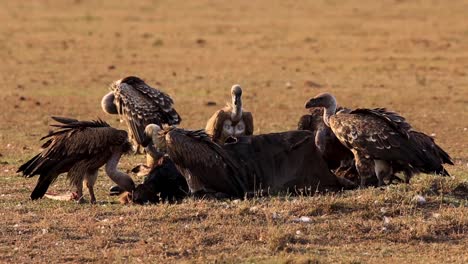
(382, 142)
(232, 120)
(139, 105)
(246, 165)
(164, 183)
(79, 148)
(207, 168)
(335, 154)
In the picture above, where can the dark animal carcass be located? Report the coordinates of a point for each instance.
(164, 183)
(270, 163)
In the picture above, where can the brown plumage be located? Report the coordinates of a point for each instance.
(231, 121)
(79, 148)
(139, 105)
(272, 163)
(381, 141)
(335, 154)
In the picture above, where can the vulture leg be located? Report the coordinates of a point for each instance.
(90, 180)
(365, 168)
(79, 193)
(77, 175)
(123, 180)
(383, 170)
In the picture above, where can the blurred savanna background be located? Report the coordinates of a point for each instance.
(59, 57)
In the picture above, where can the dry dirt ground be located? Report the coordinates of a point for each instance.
(58, 58)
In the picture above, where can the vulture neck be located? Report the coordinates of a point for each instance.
(123, 180)
(236, 114)
(328, 112)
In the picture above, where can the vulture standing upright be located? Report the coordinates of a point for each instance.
(381, 141)
(139, 105)
(79, 148)
(231, 121)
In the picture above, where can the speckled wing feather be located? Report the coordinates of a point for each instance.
(394, 120)
(141, 105)
(375, 138)
(200, 159)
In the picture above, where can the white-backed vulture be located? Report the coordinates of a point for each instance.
(79, 148)
(139, 105)
(232, 120)
(381, 141)
(270, 163)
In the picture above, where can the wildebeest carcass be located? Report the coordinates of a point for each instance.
(270, 163)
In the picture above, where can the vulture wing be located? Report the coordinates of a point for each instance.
(205, 165)
(69, 144)
(392, 119)
(141, 105)
(249, 123)
(214, 126)
(435, 156)
(378, 135)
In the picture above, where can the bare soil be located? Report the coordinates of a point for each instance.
(59, 57)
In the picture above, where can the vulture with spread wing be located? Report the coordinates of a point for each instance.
(139, 105)
(79, 148)
(231, 121)
(270, 163)
(381, 141)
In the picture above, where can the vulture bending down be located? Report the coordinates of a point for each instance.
(272, 163)
(139, 105)
(381, 141)
(231, 121)
(164, 183)
(79, 148)
(335, 154)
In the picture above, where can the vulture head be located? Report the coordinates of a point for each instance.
(157, 142)
(130, 80)
(108, 105)
(108, 101)
(236, 94)
(325, 100)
